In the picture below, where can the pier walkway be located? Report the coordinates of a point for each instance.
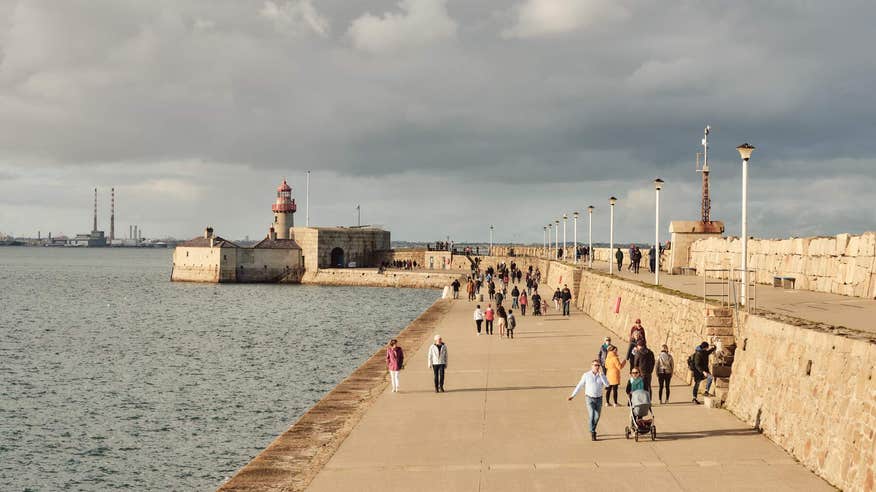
(504, 424)
(854, 313)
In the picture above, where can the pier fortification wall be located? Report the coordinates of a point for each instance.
(844, 264)
(371, 278)
(810, 390)
(813, 393)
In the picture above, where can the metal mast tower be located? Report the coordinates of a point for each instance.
(707, 201)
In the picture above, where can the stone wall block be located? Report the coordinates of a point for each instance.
(719, 321)
(841, 242)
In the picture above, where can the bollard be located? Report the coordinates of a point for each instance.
(617, 305)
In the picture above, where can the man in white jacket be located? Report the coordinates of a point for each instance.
(594, 383)
(478, 318)
(437, 360)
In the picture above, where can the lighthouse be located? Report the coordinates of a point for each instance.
(284, 208)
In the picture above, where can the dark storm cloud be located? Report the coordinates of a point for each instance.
(190, 101)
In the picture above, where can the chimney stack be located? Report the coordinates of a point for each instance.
(130, 232)
(112, 214)
(94, 228)
(208, 232)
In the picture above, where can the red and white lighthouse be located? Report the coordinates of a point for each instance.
(284, 208)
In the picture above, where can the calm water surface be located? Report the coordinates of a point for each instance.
(113, 377)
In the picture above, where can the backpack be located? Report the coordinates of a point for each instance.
(690, 363)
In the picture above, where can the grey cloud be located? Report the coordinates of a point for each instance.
(545, 121)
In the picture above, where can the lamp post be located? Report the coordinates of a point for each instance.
(544, 241)
(745, 151)
(590, 238)
(575, 234)
(557, 233)
(550, 239)
(565, 219)
(658, 185)
(611, 201)
(490, 252)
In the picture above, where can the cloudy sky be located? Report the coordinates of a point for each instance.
(439, 116)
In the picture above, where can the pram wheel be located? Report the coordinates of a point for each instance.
(653, 433)
(627, 432)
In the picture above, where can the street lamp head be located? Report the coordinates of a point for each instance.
(565, 216)
(745, 151)
(612, 201)
(491, 227)
(658, 184)
(557, 222)
(576, 214)
(590, 209)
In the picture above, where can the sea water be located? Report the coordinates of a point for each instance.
(113, 377)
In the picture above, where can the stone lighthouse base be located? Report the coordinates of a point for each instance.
(683, 234)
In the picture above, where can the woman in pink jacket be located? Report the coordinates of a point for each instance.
(395, 360)
(523, 302)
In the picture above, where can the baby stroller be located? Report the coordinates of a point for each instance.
(536, 308)
(640, 409)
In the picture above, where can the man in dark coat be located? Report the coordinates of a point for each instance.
(701, 369)
(566, 297)
(643, 359)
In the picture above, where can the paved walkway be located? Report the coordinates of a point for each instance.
(852, 312)
(504, 425)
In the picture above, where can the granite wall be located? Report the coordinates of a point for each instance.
(370, 278)
(813, 393)
(843, 264)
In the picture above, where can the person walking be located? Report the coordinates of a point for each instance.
(512, 323)
(665, 367)
(637, 332)
(503, 319)
(395, 359)
(491, 288)
(437, 360)
(635, 383)
(652, 256)
(536, 304)
(566, 297)
(593, 382)
(558, 296)
(500, 296)
(603, 352)
(478, 318)
(644, 361)
(613, 366)
(523, 302)
(699, 365)
(619, 256)
(470, 289)
(515, 297)
(489, 314)
(455, 285)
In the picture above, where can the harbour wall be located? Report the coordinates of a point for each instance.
(844, 264)
(291, 461)
(369, 277)
(811, 392)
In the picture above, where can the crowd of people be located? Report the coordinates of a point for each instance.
(601, 384)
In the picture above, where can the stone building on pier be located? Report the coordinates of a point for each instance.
(286, 253)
